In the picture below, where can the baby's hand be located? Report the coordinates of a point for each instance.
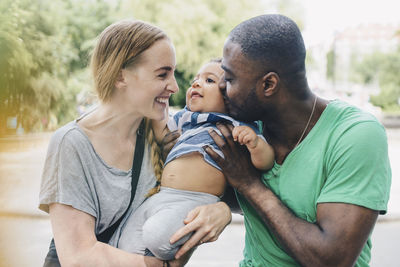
(245, 136)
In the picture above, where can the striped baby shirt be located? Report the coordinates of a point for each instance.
(194, 127)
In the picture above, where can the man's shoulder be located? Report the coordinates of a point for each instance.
(344, 116)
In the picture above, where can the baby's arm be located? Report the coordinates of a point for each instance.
(262, 154)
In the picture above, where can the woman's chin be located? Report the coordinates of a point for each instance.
(157, 116)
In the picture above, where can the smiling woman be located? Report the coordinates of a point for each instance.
(147, 86)
(100, 166)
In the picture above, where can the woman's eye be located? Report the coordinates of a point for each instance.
(163, 75)
(209, 80)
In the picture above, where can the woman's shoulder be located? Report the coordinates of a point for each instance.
(69, 134)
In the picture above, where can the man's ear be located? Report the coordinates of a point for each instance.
(120, 81)
(270, 83)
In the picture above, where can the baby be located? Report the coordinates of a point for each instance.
(190, 177)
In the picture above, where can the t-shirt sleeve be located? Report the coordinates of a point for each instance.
(358, 169)
(64, 179)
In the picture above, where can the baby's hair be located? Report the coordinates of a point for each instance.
(216, 60)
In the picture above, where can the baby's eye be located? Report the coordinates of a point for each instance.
(209, 80)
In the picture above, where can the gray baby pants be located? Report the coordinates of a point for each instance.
(157, 219)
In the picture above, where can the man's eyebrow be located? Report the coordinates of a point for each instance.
(226, 69)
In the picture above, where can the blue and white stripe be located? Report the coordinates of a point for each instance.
(194, 127)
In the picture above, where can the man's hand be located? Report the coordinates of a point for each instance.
(236, 166)
(168, 142)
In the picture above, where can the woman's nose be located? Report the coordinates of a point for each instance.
(173, 86)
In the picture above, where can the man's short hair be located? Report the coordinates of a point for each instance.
(274, 41)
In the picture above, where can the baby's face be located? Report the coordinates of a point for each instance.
(204, 94)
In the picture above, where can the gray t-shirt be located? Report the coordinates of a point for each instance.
(75, 175)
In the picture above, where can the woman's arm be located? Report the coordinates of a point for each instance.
(77, 245)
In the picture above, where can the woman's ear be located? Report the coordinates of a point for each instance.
(270, 83)
(120, 82)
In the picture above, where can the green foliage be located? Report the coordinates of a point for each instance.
(198, 29)
(382, 69)
(330, 65)
(43, 44)
(45, 48)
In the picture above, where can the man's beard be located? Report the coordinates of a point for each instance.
(247, 111)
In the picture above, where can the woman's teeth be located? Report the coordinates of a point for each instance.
(162, 100)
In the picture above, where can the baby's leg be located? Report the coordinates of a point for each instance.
(174, 205)
(131, 236)
(159, 228)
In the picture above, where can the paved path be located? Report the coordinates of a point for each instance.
(25, 231)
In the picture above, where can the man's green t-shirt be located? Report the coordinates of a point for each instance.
(343, 159)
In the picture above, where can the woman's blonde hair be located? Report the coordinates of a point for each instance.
(120, 46)
(156, 157)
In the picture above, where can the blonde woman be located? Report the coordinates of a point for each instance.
(86, 184)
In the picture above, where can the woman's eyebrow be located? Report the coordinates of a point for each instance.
(167, 68)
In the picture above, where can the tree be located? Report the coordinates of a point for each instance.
(198, 29)
(382, 69)
(44, 45)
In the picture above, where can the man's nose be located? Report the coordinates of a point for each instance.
(222, 85)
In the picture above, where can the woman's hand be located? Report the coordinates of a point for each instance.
(207, 222)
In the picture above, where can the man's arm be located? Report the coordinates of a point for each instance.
(230, 199)
(335, 239)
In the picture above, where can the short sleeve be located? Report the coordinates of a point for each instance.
(173, 120)
(358, 169)
(64, 180)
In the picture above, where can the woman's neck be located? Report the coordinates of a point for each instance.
(112, 120)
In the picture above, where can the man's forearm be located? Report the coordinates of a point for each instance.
(308, 243)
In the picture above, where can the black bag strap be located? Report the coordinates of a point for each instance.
(105, 236)
(52, 257)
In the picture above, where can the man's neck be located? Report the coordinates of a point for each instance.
(293, 123)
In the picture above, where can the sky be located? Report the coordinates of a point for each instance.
(323, 17)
